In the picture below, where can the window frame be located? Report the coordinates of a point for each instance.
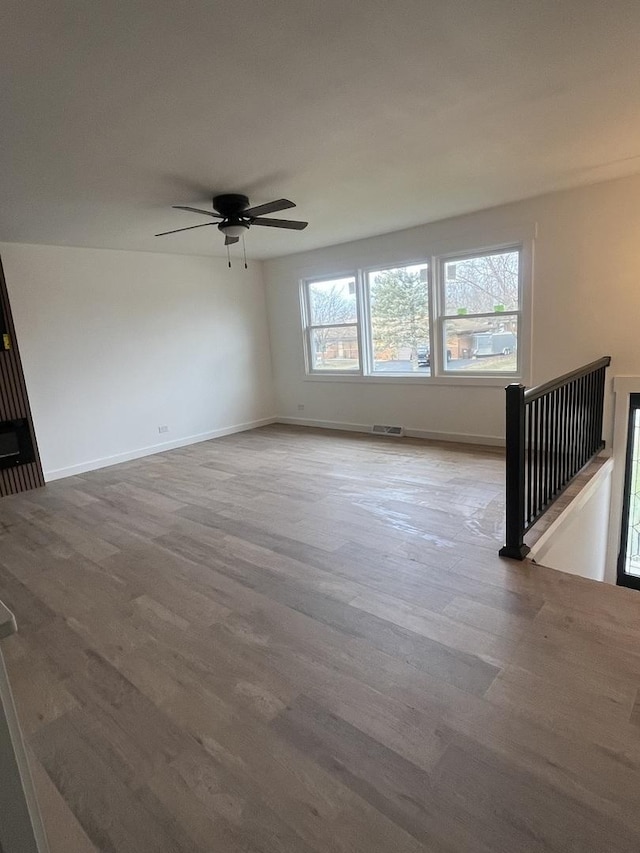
(442, 317)
(520, 239)
(308, 327)
(625, 578)
(368, 362)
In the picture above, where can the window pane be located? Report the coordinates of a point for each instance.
(487, 345)
(335, 349)
(332, 301)
(399, 302)
(483, 284)
(632, 549)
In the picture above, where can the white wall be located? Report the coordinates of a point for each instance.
(586, 303)
(577, 540)
(115, 344)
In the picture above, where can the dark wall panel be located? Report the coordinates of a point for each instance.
(14, 403)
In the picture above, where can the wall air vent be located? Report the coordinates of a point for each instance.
(384, 429)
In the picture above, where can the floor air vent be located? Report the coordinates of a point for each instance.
(384, 429)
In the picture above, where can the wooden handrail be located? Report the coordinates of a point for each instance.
(531, 394)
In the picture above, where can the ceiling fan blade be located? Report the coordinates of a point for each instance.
(228, 241)
(197, 210)
(269, 207)
(281, 223)
(189, 228)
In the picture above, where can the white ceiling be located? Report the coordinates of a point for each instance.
(372, 116)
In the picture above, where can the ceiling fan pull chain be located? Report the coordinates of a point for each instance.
(228, 258)
(244, 249)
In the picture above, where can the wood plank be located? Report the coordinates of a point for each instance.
(288, 640)
(64, 833)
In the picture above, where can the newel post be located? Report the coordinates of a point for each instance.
(514, 546)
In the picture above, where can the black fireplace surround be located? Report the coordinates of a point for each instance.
(15, 443)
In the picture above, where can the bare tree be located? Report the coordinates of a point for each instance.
(329, 306)
(480, 284)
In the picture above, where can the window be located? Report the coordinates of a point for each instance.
(481, 311)
(629, 555)
(459, 315)
(331, 308)
(398, 301)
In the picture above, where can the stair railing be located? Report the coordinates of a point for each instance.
(552, 431)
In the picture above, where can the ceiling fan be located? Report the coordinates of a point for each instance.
(237, 217)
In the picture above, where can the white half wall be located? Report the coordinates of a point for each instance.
(117, 344)
(585, 304)
(576, 542)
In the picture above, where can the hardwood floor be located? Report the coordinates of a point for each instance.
(288, 640)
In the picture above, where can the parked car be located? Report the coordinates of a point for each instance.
(424, 356)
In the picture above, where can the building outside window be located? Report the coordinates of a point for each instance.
(459, 315)
(481, 312)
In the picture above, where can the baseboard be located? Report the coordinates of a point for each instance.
(455, 437)
(106, 461)
(308, 422)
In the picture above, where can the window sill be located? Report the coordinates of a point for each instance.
(482, 381)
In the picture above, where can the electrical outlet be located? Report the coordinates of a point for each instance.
(163, 429)
(301, 407)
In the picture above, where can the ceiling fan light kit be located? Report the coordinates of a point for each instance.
(237, 217)
(232, 230)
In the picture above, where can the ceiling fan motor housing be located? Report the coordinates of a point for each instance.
(230, 205)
